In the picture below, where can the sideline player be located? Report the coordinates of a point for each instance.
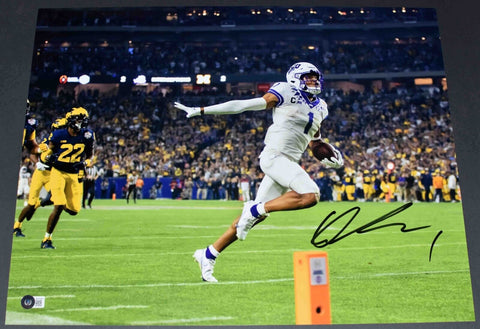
(297, 116)
(40, 178)
(70, 149)
(132, 178)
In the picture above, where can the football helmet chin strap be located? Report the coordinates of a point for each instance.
(230, 107)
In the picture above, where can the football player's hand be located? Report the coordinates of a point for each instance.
(51, 159)
(41, 166)
(191, 111)
(334, 162)
(42, 147)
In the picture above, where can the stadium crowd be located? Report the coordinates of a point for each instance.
(209, 157)
(245, 15)
(243, 56)
(337, 50)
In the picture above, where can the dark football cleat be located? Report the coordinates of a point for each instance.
(47, 245)
(18, 233)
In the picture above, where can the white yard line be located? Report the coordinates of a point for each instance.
(151, 285)
(103, 308)
(379, 275)
(46, 297)
(190, 284)
(334, 249)
(172, 321)
(145, 207)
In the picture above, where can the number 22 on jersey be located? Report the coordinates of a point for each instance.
(71, 153)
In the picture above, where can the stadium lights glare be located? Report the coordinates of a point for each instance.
(171, 79)
(203, 79)
(223, 78)
(72, 79)
(423, 81)
(84, 79)
(123, 79)
(141, 79)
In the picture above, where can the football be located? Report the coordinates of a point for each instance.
(322, 150)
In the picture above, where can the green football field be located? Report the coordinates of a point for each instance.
(138, 259)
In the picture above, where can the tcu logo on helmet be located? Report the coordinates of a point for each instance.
(294, 67)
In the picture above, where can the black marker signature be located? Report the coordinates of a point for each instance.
(431, 247)
(371, 226)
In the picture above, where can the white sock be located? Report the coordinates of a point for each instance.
(261, 208)
(213, 251)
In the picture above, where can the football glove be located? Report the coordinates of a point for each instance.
(81, 176)
(41, 166)
(49, 159)
(191, 111)
(334, 162)
(42, 147)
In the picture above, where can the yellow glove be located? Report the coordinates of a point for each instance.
(42, 147)
(44, 156)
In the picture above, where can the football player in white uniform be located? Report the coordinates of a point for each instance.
(297, 116)
(24, 179)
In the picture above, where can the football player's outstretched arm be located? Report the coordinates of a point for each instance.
(231, 107)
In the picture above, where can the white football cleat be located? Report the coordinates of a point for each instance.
(206, 265)
(247, 220)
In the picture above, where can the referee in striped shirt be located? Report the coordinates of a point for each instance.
(91, 174)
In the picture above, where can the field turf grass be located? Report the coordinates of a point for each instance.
(137, 258)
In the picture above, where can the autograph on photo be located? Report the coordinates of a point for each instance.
(371, 226)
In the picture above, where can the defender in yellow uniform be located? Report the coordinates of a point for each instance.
(368, 190)
(70, 149)
(31, 146)
(40, 178)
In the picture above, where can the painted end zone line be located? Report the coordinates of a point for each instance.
(21, 318)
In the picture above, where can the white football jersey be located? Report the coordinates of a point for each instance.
(24, 174)
(295, 120)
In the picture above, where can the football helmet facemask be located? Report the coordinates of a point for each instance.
(296, 73)
(77, 118)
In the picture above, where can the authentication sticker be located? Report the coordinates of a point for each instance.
(29, 302)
